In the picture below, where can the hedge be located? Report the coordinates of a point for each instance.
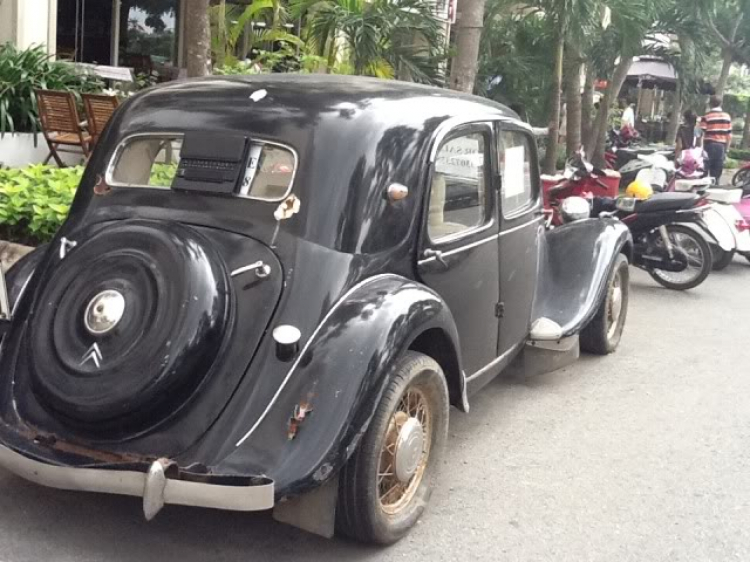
(739, 154)
(34, 201)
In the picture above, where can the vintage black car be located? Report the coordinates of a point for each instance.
(270, 290)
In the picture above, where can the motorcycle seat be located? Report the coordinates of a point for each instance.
(670, 201)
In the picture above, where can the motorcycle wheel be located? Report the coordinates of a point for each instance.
(722, 258)
(700, 260)
(741, 178)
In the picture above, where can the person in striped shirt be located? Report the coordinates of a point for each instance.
(717, 137)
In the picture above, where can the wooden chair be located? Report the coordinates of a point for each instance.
(61, 125)
(99, 109)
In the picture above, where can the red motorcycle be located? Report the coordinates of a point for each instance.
(742, 177)
(580, 179)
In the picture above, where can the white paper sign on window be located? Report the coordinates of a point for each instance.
(513, 173)
(460, 157)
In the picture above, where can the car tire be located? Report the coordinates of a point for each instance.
(602, 335)
(369, 509)
(722, 258)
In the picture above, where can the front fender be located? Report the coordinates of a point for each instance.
(575, 263)
(338, 381)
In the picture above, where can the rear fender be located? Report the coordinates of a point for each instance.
(327, 403)
(575, 263)
(19, 275)
(715, 228)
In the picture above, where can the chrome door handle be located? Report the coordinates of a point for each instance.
(437, 254)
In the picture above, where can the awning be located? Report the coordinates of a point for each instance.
(652, 73)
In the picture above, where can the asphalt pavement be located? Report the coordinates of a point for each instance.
(643, 456)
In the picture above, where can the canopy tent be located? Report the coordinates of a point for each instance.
(652, 73)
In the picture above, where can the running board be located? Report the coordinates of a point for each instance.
(540, 357)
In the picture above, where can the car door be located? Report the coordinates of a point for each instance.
(459, 242)
(521, 225)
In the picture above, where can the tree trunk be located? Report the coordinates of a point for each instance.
(676, 109)
(587, 105)
(468, 36)
(573, 102)
(599, 136)
(726, 66)
(746, 131)
(550, 158)
(197, 37)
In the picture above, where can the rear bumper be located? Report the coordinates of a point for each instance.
(155, 486)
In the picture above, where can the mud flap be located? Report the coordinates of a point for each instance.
(540, 357)
(314, 512)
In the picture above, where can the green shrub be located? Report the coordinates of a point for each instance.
(739, 154)
(731, 164)
(34, 201)
(22, 72)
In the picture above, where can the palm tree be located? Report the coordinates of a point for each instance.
(197, 37)
(468, 38)
(613, 53)
(726, 19)
(385, 38)
(230, 24)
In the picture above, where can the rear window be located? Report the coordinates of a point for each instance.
(153, 161)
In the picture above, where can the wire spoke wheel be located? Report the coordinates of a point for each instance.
(405, 452)
(615, 305)
(385, 486)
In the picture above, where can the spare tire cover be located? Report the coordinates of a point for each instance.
(128, 324)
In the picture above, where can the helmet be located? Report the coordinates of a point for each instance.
(639, 190)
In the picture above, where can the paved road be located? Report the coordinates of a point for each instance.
(643, 456)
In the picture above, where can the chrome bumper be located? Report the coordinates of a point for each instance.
(154, 487)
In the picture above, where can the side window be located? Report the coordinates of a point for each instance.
(518, 175)
(458, 192)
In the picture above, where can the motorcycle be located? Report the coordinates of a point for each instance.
(727, 225)
(675, 254)
(724, 227)
(622, 152)
(742, 177)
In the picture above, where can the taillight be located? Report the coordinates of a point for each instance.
(743, 225)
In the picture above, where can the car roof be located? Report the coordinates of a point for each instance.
(290, 95)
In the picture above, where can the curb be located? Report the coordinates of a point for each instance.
(10, 253)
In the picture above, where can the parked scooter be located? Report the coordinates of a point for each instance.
(729, 228)
(675, 254)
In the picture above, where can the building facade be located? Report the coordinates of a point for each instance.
(141, 34)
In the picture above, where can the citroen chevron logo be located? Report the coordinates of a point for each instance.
(93, 354)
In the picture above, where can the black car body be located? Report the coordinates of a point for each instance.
(144, 355)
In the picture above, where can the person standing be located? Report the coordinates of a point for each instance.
(717, 137)
(628, 115)
(689, 134)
